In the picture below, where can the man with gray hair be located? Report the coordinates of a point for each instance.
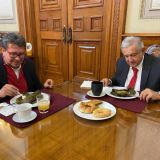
(135, 69)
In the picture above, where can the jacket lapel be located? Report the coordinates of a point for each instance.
(145, 72)
(124, 74)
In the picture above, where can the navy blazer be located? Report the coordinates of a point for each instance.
(150, 77)
(29, 73)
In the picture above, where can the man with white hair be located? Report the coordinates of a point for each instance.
(136, 69)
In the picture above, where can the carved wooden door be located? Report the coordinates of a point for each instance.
(85, 17)
(70, 37)
(52, 50)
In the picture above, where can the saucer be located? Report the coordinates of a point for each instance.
(89, 93)
(19, 120)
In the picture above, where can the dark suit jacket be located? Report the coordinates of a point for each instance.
(150, 77)
(29, 72)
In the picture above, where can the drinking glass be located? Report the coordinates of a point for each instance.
(43, 102)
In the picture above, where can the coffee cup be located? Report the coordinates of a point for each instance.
(24, 110)
(96, 87)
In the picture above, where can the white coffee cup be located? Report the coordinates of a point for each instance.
(24, 110)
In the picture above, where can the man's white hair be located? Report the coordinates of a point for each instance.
(129, 41)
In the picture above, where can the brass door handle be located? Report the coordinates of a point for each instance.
(69, 39)
(64, 34)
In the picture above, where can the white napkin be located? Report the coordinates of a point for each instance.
(86, 85)
(7, 109)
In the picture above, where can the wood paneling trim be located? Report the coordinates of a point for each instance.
(142, 34)
(27, 27)
(87, 3)
(26, 20)
(111, 51)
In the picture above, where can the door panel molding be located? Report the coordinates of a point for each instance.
(87, 3)
(96, 23)
(46, 5)
(78, 24)
(51, 56)
(86, 59)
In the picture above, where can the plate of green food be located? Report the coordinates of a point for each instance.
(122, 93)
(28, 97)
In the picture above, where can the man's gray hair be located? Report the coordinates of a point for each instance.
(129, 41)
(13, 38)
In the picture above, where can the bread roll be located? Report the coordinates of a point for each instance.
(101, 112)
(90, 106)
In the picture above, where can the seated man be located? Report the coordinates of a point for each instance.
(17, 73)
(154, 50)
(136, 69)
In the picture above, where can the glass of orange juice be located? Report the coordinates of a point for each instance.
(43, 102)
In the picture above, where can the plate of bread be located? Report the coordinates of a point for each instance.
(94, 109)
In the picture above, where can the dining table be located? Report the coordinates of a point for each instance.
(65, 136)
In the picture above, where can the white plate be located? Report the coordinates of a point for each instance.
(90, 116)
(13, 100)
(89, 93)
(109, 90)
(18, 120)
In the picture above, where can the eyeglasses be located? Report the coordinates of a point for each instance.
(13, 55)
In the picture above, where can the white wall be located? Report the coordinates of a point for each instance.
(133, 22)
(136, 25)
(11, 26)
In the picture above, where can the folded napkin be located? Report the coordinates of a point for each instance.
(86, 85)
(6, 109)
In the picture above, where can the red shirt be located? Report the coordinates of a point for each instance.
(20, 82)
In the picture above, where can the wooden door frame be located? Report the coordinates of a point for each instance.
(25, 10)
(111, 49)
(110, 52)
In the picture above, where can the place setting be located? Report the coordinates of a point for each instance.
(23, 106)
(95, 109)
(118, 96)
(30, 107)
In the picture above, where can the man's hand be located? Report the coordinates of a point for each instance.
(8, 90)
(48, 83)
(149, 94)
(106, 81)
